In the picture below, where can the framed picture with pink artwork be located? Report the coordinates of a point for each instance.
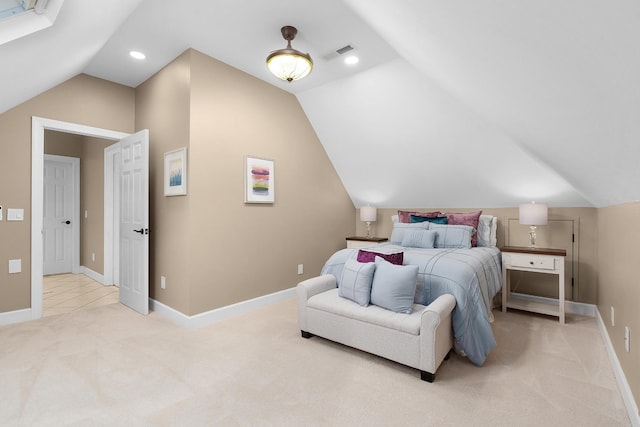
(259, 180)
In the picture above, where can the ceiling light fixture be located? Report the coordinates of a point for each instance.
(137, 55)
(289, 64)
(351, 60)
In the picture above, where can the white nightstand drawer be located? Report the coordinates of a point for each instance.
(532, 261)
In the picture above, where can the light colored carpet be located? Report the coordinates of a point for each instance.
(109, 366)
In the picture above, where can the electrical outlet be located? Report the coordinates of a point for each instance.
(163, 282)
(300, 268)
(613, 317)
(627, 339)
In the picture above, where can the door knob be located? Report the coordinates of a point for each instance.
(66, 222)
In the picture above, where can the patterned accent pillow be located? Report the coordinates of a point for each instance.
(405, 216)
(369, 256)
(433, 220)
(356, 280)
(471, 219)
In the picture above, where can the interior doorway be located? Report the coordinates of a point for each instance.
(39, 125)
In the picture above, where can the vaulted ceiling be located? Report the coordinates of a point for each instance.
(458, 103)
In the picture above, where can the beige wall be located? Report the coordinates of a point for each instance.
(213, 249)
(585, 254)
(92, 202)
(618, 261)
(82, 99)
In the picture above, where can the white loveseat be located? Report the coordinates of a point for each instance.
(421, 340)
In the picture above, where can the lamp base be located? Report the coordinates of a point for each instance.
(532, 236)
(368, 229)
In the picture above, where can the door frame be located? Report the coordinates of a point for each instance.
(111, 216)
(38, 126)
(75, 212)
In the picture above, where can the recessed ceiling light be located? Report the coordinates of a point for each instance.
(351, 60)
(137, 55)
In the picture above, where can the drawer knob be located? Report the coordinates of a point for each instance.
(531, 262)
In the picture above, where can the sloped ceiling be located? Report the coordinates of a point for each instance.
(454, 103)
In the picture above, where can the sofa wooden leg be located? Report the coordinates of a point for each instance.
(306, 334)
(427, 376)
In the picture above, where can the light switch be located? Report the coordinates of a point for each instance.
(0, 213)
(15, 214)
(15, 266)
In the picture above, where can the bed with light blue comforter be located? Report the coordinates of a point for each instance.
(472, 276)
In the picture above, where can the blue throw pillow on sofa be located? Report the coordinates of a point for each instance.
(355, 283)
(394, 286)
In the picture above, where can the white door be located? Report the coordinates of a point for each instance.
(59, 213)
(134, 221)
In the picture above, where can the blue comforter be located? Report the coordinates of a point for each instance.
(472, 276)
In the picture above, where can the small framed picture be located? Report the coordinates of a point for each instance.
(259, 180)
(175, 172)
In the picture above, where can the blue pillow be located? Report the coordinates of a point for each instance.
(434, 220)
(453, 236)
(394, 286)
(355, 282)
(399, 229)
(419, 239)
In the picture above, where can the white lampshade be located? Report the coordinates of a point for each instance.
(533, 213)
(368, 213)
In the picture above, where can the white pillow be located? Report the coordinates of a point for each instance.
(487, 227)
(355, 282)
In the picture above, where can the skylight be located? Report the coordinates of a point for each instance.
(19, 18)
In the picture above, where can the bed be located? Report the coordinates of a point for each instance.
(471, 274)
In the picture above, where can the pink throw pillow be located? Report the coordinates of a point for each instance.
(471, 219)
(368, 256)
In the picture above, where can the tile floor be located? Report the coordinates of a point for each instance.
(64, 293)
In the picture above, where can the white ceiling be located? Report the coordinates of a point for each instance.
(456, 103)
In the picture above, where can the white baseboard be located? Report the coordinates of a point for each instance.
(95, 276)
(218, 314)
(625, 389)
(16, 316)
(572, 307)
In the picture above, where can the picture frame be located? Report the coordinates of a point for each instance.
(175, 172)
(259, 180)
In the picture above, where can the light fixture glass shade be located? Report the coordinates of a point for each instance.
(533, 213)
(289, 64)
(368, 213)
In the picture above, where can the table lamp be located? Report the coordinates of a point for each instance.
(533, 214)
(368, 214)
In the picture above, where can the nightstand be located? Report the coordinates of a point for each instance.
(361, 242)
(536, 260)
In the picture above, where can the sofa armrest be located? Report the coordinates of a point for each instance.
(436, 332)
(309, 288)
(315, 285)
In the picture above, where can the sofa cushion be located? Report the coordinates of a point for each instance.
(394, 286)
(330, 302)
(355, 283)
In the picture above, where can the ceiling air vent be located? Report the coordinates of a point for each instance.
(345, 49)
